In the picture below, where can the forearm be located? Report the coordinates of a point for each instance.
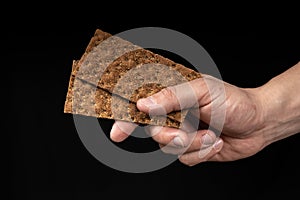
(280, 102)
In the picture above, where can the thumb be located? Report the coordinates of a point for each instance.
(175, 98)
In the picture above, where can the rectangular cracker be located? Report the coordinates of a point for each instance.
(121, 67)
(86, 99)
(114, 66)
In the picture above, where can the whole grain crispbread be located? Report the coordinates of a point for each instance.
(86, 99)
(113, 74)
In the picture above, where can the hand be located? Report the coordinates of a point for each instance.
(240, 135)
(254, 118)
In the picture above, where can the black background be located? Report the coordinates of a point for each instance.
(47, 158)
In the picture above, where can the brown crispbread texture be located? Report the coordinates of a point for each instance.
(86, 99)
(113, 74)
(143, 67)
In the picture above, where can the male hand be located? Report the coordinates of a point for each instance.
(212, 101)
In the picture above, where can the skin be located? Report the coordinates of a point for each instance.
(254, 117)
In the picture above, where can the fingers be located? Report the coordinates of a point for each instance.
(168, 136)
(192, 148)
(197, 140)
(121, 130)
(207, 95)
(204, 154)
(175, 98)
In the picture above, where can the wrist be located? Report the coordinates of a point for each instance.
(279, 106)
(258, 122)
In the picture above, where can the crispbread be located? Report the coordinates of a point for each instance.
(86, 99)
(113, 74)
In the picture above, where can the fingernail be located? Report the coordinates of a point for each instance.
(153, 107)
(218, 145)
(114, 129)
(114, 132)
(148, 102)
(178, 142)
(207, 140)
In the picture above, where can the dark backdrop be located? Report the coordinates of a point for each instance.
(47, 158)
